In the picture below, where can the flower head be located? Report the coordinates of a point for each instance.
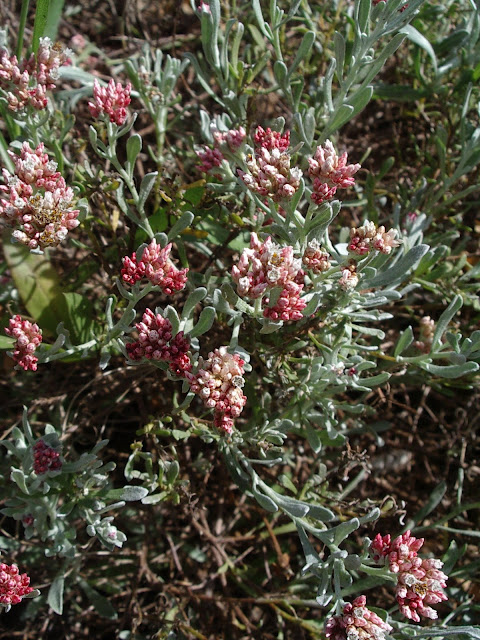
(329, 172)
(45, 458)
(349, 278)
(156, 266)
(156, 342)
(369, 236)
(315, 259)
(269, 139)
(269, 171)
(420, 581)
(27, 336)
(112, 100)
(230, 140)
(269, 174)
(13, 585)
(218, 382)
(357, 622)
(37, 200)
(265, 266)
(26, 83)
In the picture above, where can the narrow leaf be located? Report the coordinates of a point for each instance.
(55, 594)
(41, 15)
(204, 322)
(417, 38)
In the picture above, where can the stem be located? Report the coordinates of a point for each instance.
(21, 27)
(112, 156)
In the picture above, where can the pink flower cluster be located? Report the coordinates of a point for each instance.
(219, 383)
(37, 199)
(27, 336)
(112, 100)
(369, 236)
(28, 82)
(265, 266)
(45, 458)
(315, 259)
(349, 278)
(269, 139)
(330, 172)
(156, 267)
(210, 158)
(420, 581)
(269, 169)
(156, 342)
(357, 622)
(13, 585)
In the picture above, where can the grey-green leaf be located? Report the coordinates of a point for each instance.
(55, 594)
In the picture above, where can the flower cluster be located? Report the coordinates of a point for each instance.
(265, 266)
(156, 266)
(427, 331)
(315, 259)
(369, 236)
(13, 585)
(27, 336)
(156, 342)
(112, 100)
(269, 169)
(269, 139)
(27, 83)
(232, 139)
(329, 172)
(420, 581)
(45, 458)
(219, 383)
(349, 278)
(357, 622)
(37, 199)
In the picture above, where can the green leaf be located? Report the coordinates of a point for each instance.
(339, 48)
(303, 50)
(322, 514)
(18, 477)
(182, 223)
(134, 146)
(76, 312)
(41, 16)
(417, 38)
(363, 14)
(444, 320)
(6, 342)
(130, 493)
(396, 274)
(101, 604)
(360, 99)
(264, 27)
(340, 117)
(37, 283)
(193, 299)
(145, 188)
(313, 438)
(452, 370)
(53, 18)
(204, 323)
(280, 72)
(264, 501)
(404, 341)
(397, 92)
(55, 594)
